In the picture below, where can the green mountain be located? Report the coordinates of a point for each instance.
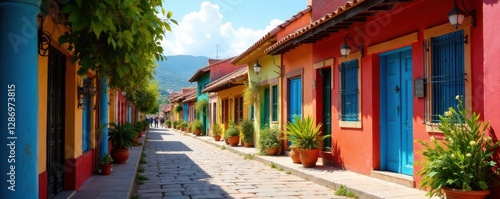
(173, 74)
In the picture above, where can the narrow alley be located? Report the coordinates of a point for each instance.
(179, 166)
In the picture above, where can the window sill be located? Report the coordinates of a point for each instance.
(348, 124)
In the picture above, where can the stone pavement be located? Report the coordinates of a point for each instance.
(117, 185)
(182, 167)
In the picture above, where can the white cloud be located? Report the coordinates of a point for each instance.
(198, 33)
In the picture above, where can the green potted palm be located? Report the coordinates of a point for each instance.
(168, 123)
(122, 137)
(462, 162)
(233, 134)
(139, 127)
(216, 131)
(269, 140)
(306, 136)
(105, 164)
(246, 128)
(196, 127)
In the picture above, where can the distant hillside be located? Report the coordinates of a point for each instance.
(173, 73)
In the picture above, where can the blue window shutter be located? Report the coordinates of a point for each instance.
(448, 72)
(349, 92)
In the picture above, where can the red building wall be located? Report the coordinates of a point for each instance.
(359, 148)
(222, 68)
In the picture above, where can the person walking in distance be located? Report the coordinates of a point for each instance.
(151, 121)
(161, 122)
(156, 122)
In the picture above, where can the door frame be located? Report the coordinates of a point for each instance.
(383, 106)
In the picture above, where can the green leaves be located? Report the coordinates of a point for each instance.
(117, 39)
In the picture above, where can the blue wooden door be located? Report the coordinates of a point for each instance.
(396, 111)
(294, 98)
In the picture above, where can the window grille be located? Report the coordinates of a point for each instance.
(445, 73)
(349, 92)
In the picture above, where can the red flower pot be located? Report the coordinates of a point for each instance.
(120, 156)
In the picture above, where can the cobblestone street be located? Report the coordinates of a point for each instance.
(179, 166)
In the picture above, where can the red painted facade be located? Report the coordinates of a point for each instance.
(221, 68)
(76, 171)
(358, 149)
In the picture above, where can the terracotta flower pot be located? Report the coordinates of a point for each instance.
(271, 151)
(197, 132)
(308, 157)
(217, 137)
(226, 140)
(106, 169)
(247, 144)
(120, 156)
(294, 154)
(452, 193)
(140, 134)
(234, 140)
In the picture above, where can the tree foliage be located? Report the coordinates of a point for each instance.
(118, 39)
(146, 98)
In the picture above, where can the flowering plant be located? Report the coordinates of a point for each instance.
(463, 159)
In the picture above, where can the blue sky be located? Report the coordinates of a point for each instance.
(233, 25)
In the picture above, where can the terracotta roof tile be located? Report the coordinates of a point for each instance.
(269, 36)
(305, 29)
(227, 81)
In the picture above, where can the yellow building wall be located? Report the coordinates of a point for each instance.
(73, 115)
(112, 105)
(231, 94)
(269, 73)
(42, 113)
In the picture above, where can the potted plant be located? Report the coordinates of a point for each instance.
(168, 123)
(269, 140)
(461, 163)
(216, 131)
(105, 164)
(305, 134)
(196, 127)
(138, 127)
(184, 126)
(122, 137)
(233, 134)
(246, 128)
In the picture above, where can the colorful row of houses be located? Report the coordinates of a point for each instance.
(375, 73)
(51, 138)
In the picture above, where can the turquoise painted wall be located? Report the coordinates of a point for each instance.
(202, 82)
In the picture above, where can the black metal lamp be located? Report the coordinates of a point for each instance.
(257, 67)
(456, 15)
(345, 49)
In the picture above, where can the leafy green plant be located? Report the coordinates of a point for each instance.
(232, 131)
(196, 125)
(463, 159)
(138, 126)
(269, 138)
(272, 165)
(105, 160)
(216, 129)
(140, 169)
(246, 127)
(342, 191)
(168, 122)
(304, 133)
(122, 135)
(251, 93)
(178, 108)
(201, 106)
